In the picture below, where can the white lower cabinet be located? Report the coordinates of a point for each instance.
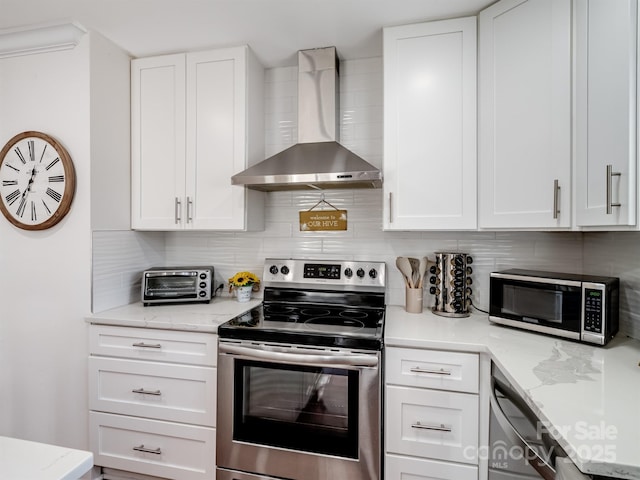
(164, 449)
(403, 468)
(431, 414)
(152, 401)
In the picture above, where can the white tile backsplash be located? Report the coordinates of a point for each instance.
(120, 256)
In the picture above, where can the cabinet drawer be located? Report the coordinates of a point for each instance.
(432, 369)
(180, 393)
(152, 447)
(433, 424)
(195, 348)
(404, 468)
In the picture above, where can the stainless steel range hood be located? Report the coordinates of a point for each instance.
(317, 161)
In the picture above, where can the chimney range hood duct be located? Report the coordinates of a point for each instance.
(317, 161)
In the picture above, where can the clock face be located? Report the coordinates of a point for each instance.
(37, 181)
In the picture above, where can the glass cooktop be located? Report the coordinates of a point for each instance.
(310, 323)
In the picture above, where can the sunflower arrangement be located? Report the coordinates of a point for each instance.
(244, 279)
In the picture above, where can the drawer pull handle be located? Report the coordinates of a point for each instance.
(147, 345)
(143, 449)
(442, 371)
(147, 392)
(440, 428)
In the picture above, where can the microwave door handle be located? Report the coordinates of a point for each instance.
(301, 358)
(539, 464)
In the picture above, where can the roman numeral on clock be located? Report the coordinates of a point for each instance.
(46, 208)
(53, 194)
(20, 211)
(6, 183)
(32, 151)
(19, 153)
(56, 178)
(55, 160)
(43, 150)
(13, 168)
(12, 196)
(34, 216)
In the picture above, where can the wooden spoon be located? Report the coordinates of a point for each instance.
(404, 266)
(415, 266)
(422, 269)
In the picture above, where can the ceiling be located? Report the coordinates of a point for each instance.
(275, 29)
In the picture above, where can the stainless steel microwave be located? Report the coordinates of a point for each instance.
(578, 307)
(177, 285)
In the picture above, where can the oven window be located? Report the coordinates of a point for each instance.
(312, 409)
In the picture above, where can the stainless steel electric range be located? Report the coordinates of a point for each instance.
(299, 384)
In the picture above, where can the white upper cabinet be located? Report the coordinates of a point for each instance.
(525, 114)
(430, 126)
(605, 155)
(196, 121)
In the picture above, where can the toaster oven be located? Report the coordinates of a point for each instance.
(166, 285)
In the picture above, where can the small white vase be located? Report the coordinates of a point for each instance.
(244, 293)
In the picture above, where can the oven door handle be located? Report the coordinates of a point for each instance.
(542, 466)
(336, 360)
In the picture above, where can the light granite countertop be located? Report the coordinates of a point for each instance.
(201, 317)
(590, 395)
(25, 460)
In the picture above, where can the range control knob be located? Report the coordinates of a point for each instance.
(284, 270)
(360, 273)
(433, 269)
(373, 273)
(432, 280)
(203, 276)
(348, 273)
(273, 269)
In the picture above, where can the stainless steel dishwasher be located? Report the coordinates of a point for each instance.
(519, 449)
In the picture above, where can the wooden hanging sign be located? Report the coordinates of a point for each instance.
(323, 220)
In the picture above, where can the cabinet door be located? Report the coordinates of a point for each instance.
(525, 114)
(158, 142)
(606, 36)
(430, 125)
(431, 423)
(406, 468)
(153, 447)
(216, 132)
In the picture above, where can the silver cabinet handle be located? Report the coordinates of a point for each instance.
(442, 371)
(143, 449)
(390, 208)
(189, 210)
(147, 392)
(556, 198)
(177, 207)
(147, 345)
(610, 175)
(440, 428)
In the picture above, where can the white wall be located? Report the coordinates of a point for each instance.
(45, 276)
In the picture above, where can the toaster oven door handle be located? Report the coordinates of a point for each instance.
(334, 360)
(541, 465)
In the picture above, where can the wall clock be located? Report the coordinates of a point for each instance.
(38, 181)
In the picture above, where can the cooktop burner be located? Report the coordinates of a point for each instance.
(335, 304)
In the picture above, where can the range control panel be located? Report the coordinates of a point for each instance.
(325, 273)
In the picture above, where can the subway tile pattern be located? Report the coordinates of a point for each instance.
(120, 256)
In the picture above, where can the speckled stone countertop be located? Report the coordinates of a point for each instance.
(590, 395)
(201, 317)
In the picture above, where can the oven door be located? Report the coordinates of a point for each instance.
(298, 412)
